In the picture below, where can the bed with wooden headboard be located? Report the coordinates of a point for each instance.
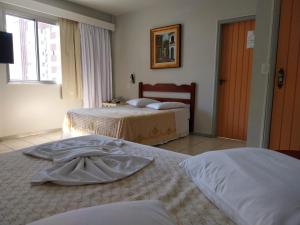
(172, 88)
(141, 125)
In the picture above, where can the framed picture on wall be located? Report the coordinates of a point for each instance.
(165, 47)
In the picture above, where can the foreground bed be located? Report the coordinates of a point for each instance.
(163, 180)
(251, 186)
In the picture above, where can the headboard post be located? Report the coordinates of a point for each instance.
(192, 108)
(141, 90)
(191, 89)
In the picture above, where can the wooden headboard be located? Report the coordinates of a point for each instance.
(191, 89)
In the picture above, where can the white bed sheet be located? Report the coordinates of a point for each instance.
(182, 118)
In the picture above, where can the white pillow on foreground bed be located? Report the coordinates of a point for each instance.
(166, 105)
(252, 186)
(125, 213)
(141, 102)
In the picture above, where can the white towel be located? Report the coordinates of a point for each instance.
(85, 160)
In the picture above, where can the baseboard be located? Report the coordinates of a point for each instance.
(29, 134)
(204, 135)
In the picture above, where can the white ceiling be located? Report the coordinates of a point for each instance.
(118, 7)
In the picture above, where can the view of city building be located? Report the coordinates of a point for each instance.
(27, 42)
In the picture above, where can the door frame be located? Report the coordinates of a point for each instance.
(217, 66)
(272, 74)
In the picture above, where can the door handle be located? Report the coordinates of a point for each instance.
(280, 78)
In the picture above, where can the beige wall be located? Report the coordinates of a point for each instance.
(199, 39)
(31, 107)
(28, 108)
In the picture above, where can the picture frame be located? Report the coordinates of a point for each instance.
(165, 47)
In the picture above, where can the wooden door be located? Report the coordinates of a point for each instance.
(285, 125)
(235, 74)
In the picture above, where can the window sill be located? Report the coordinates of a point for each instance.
(32, 83)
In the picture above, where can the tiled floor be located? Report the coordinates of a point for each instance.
(192, 144)
(18, 143)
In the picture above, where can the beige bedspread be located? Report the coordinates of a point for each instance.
(139, 125)
(164, 180)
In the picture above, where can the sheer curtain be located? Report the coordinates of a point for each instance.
(70, 59)
(96, 65)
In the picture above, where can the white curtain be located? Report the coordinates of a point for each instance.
(96, 65)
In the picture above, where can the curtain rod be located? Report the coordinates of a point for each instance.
(58, 12)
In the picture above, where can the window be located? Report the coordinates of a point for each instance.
(36, 50)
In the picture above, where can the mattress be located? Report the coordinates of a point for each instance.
(163, 180)
(141, 125)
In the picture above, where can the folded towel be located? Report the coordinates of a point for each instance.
(58, 149)
(85, 160)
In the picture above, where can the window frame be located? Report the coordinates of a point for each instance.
(36, 18)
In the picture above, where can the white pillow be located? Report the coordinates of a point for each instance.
(252, 186)
(141, 102)
(166, 105)
(125, 213)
